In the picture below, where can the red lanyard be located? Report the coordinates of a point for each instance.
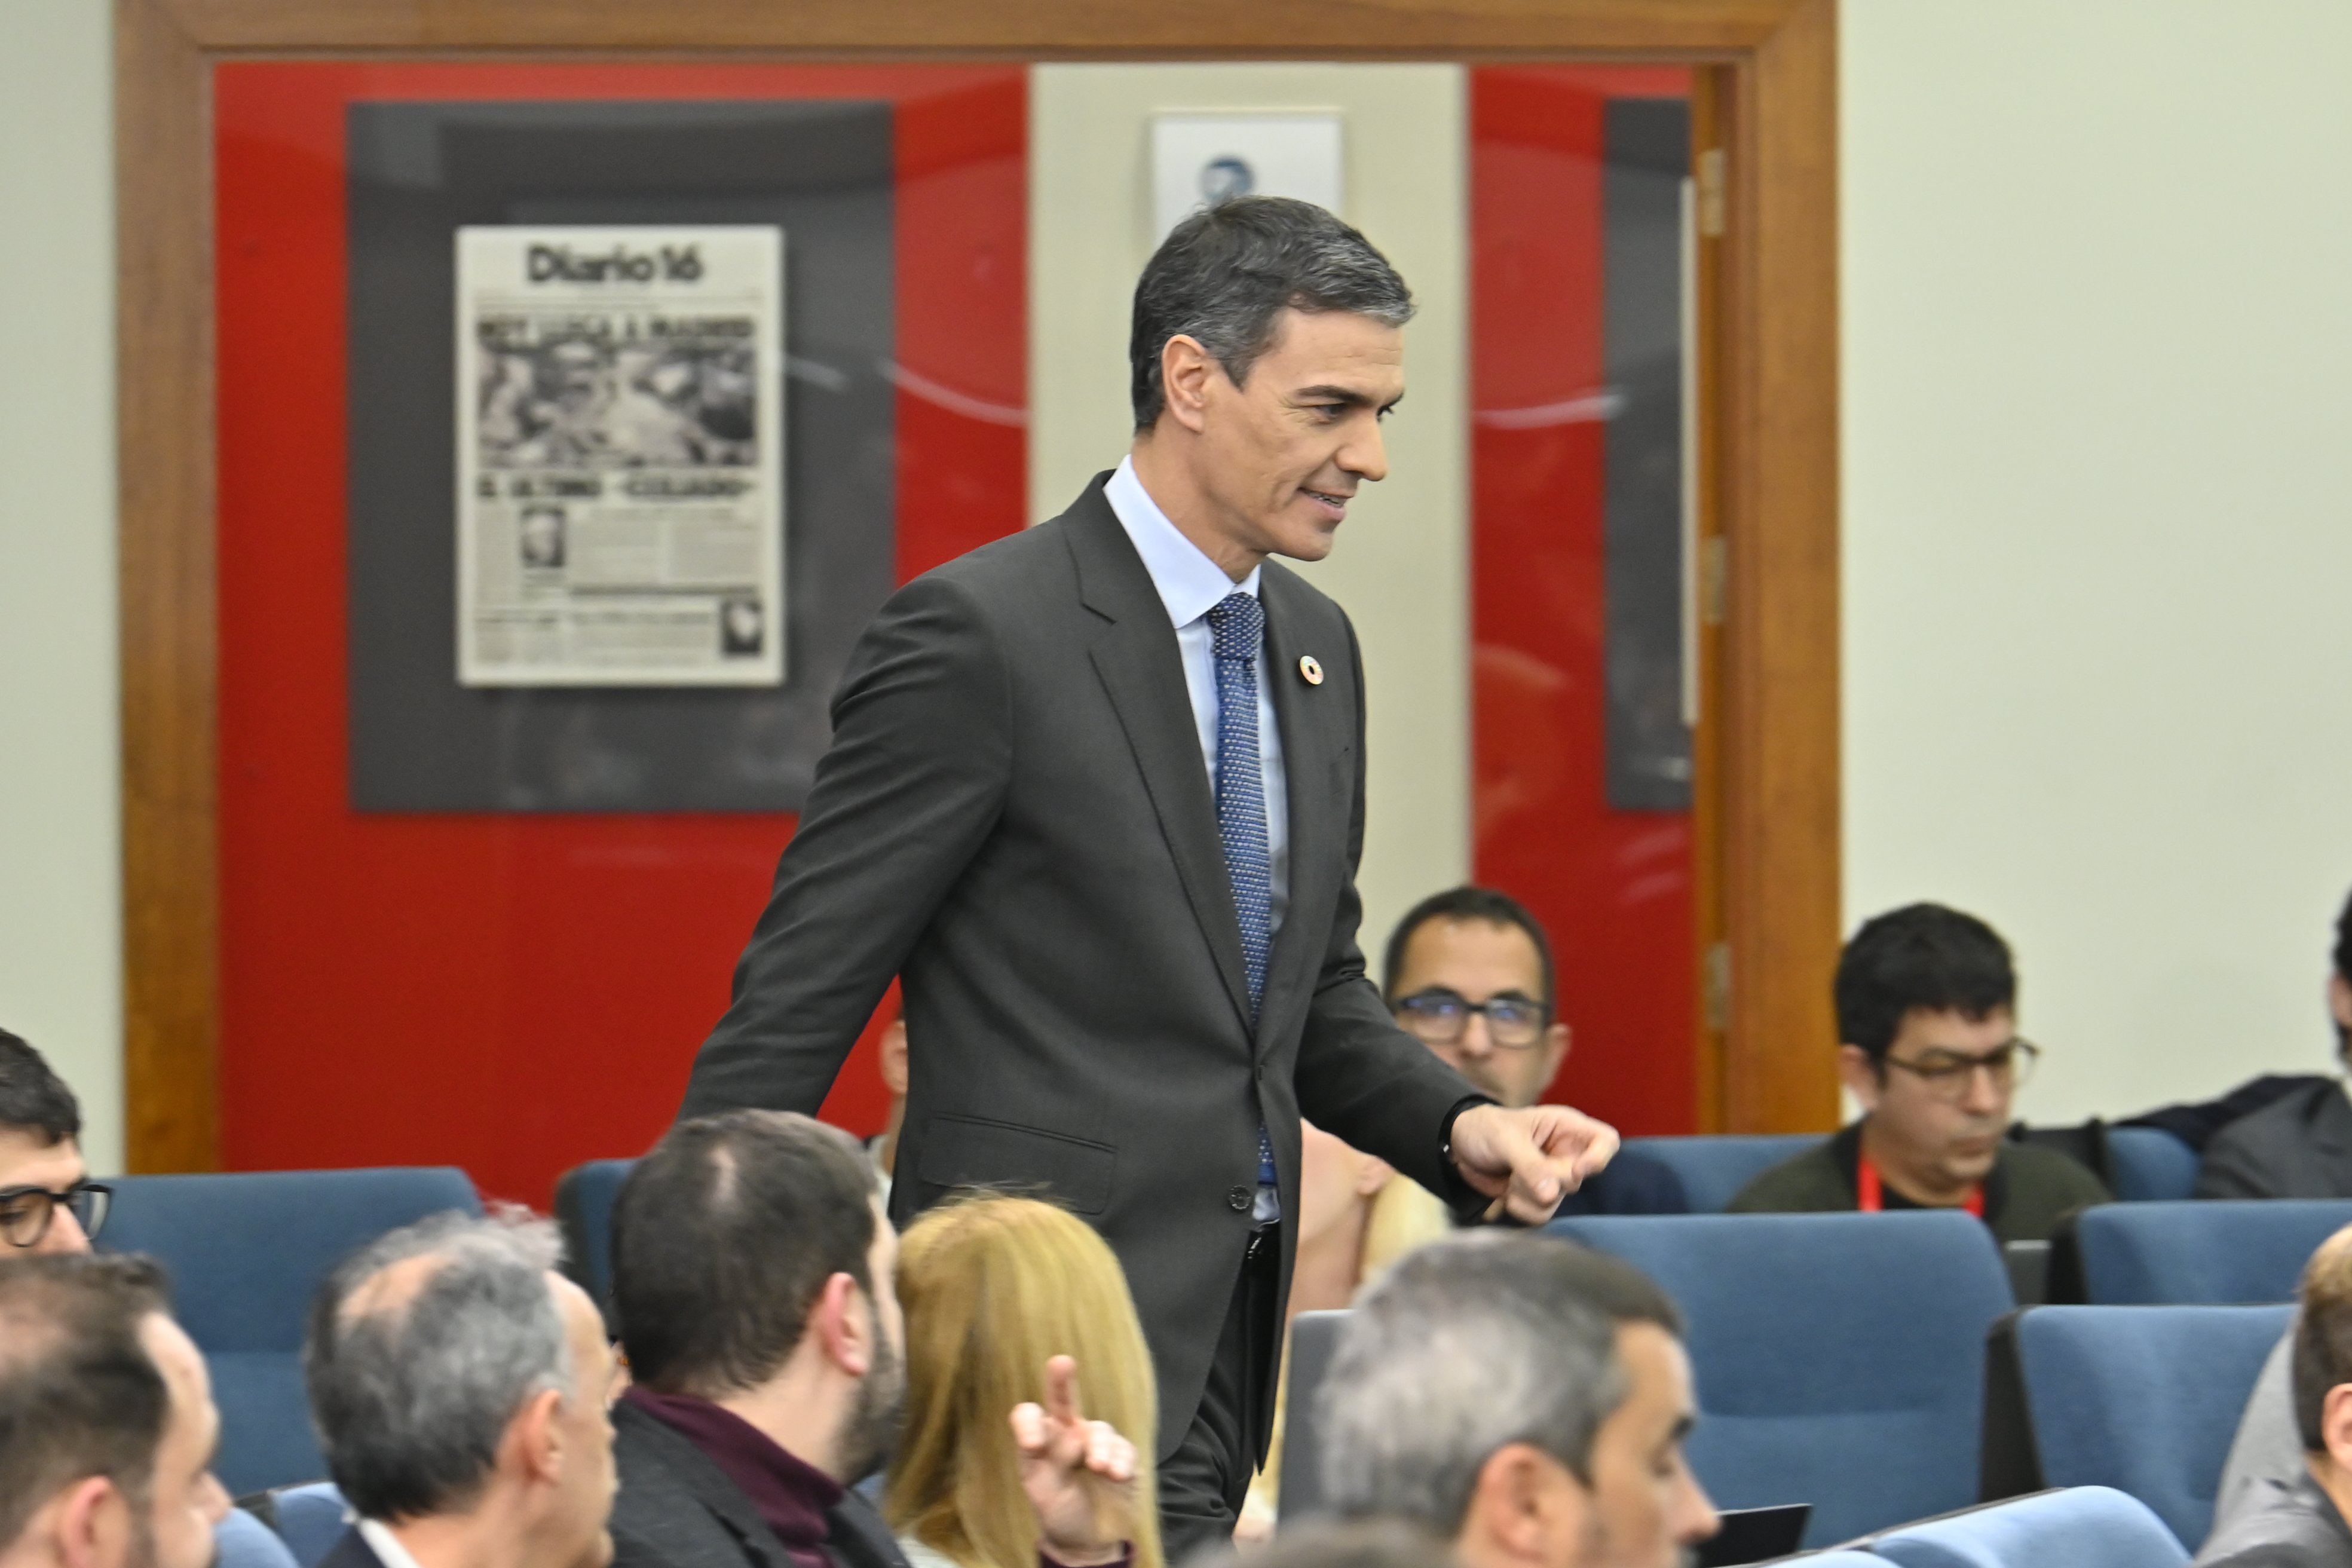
(1869, 1198)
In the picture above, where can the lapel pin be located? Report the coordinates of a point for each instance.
(1310, 670)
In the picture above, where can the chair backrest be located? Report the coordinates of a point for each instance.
(1714, 1169)
(2084, 1527)
(2150, 1165)
(247, 1252)
(241, 1541)
(2176, 1254)
(309, 1520)
(2143, 1399)
(584, 1198)
(1839, 1357)
(1314, 1336)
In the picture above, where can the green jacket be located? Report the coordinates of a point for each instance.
(2028, 1188)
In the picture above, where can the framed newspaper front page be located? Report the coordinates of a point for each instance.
(620, 456)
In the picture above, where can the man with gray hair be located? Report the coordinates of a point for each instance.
(1522, 1397)
(460, 1385)
(1095, 798)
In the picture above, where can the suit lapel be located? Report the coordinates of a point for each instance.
(1314, 748)
(1135, 654)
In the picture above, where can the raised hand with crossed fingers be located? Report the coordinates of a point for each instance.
(1079, 1475)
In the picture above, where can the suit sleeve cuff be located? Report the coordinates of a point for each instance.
(1467, 1202)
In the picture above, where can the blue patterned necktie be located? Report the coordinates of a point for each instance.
(1237, 626)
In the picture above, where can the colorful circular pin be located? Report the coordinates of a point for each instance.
(1310, 670)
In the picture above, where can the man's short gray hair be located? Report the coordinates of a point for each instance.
(412, 1389)
(1466, 1346)
(1224, 274)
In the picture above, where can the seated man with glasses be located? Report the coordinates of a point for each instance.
(1926, 1002)
(1469, 973)
(46, 1202)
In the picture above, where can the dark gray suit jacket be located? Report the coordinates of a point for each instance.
(2298, 1146)
(1013, 816)
(2293, 1526)
(677, 1510)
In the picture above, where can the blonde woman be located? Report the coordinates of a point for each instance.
(1015, 1305)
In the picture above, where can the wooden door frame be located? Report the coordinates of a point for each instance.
(1770, 81)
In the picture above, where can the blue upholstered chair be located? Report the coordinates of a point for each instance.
(242, 1541)
(2143, 1399)
(1840, 1357)
(1714, 1169)
(2176, 1254)
(247, 1252)
(2084, 1527)
(2150, 1165)
(584, 1198)
(310, 1518)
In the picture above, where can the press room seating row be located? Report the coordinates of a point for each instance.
(1841, 1360)
(2145, 1164)
(247, 1252)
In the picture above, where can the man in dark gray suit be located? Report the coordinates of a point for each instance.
(1095, 793)
(2297, 1520)
(2299, 1145)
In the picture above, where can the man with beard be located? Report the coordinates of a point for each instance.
(460, 1385)
(107, 1424)
(754, 1278)
(1522, 1398)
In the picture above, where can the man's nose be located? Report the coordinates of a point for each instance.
(66, 1233)
(1694, 1515)
(1366, 455)
(1476, 1039)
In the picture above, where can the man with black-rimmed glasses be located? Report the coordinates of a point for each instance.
(1469, 973)
(1927, 1005)
(48, 1203)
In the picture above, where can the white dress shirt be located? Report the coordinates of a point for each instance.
(386, 1545)
(1190, 585)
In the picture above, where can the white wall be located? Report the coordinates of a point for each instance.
(1402, 564)
(2098, 513)
(61, 908)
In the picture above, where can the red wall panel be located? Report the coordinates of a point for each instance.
(516, 993)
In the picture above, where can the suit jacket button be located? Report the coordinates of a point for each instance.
(1239, 1199)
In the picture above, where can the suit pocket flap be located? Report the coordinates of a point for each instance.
(963, 1152)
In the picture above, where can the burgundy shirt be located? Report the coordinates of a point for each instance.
(792, 1496)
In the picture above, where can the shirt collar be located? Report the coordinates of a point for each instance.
(1190, 583)
(386, 1545)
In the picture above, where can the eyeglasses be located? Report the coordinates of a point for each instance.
(26, 1213)
(1438, 1016)
(1947, 1075)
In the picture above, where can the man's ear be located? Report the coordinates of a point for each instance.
(2339, 1000)
(534, 1440)
(894, 1056)
(1186, 369)
(91, 1519)
(1522, 1507)
(2335, 1425)
(844, 1324)
(1860, 1074)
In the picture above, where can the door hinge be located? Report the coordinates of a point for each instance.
(1710, 193)
(1715, 987)
(1714, 578)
